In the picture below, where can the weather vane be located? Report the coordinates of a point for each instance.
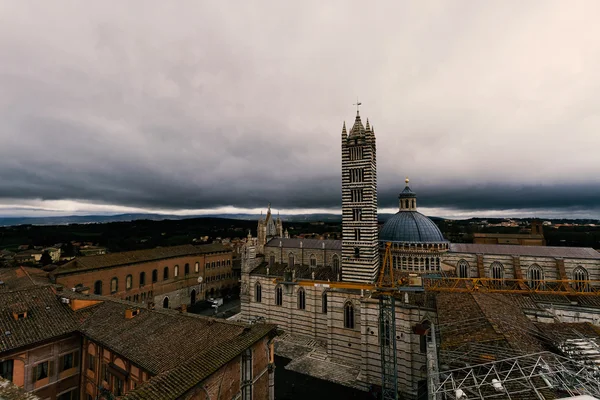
(358, 103)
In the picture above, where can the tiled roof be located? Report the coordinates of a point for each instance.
(305, 243)
(46, 317)
(509, 235)
(535, 251)
(21, 277)
(174, 383)
(137, 256)
(322, 273)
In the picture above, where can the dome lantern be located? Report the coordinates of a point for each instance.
(408, 198)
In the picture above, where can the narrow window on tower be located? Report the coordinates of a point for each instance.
(356, 214)
(356, 234)
(356, 252)
(356, 153)
(357, 195)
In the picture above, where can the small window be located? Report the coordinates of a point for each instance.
(114, 285)
(356, 252)
(535, 276)
(278, 296)
(6, 369)
(91, 362)
(313, 260)
(324, 303)
(271, 261)
(142, 279)
(98, 288)
(291, 260)
(165, 273)
(154, 276)
(70, 395)
(356, 234)
(128, 282)
(207, 266)
(580, 276)
(176, 271)
(301, 299)
(349, 316)
(336, 264)
(186, 269)
(41, 371)
(497, 272)
(197, 267)
(356, 214)
(257, 292)
(68, 361)
(463, 269)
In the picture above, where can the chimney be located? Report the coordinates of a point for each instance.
(19, 311)
(130, 313)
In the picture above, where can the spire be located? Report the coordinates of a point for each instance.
(368, 127)
(344, 128)
(357, 128)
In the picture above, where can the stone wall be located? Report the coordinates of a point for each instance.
(302, 256)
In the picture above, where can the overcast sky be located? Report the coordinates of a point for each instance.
(490, 107)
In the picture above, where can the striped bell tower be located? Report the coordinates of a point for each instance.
(360, 253)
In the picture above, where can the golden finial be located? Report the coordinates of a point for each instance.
(406, 180)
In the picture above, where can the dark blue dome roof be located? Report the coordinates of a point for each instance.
(410, 226)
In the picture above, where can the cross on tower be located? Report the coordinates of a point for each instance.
(357, 104)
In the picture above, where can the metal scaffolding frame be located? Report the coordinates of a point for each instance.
(389, 365)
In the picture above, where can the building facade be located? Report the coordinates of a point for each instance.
(167, 277)
(268, 228)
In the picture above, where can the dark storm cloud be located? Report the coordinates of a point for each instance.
(190, 105)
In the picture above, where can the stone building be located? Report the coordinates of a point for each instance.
(64, 345)
(166, 276)
(296, 283)
(534, 238)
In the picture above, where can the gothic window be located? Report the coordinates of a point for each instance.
(356, 175)
(257, 292)
(349, 315)
(580, 276)
(247, 375)
(356, 214)
(166, 302)
(357, 234)
(356, 252)
(278, 296)
(463, 269)
(535, 275)
(165, 273)
(357, 195)
(301, 299)
(324, 303)
(356, 153)
(186, 269)
(176, 271)
(291, 260)
(497, 272)
(114, 285)
(313, 260)
(272, 261)
(142, 279)
(154, 276)
(98, 287)
(197, 267)
(336, 264)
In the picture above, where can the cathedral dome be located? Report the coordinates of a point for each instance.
(410, 226)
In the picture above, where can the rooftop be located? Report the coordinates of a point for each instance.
(535, 251)
(322, 273)
(137, 256)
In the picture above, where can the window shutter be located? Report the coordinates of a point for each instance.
(76, 359)
(50, 369)
(33, 374)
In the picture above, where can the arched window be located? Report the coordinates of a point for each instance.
(154, 276)
(463, 269)
(98, 287)
(324, 303)
(291, 259)
(257, 292)
(497, 272)
(426, 327)
(278, 296)
(165, 273)
(166, 302)
(301, 299)
(535, 275)
(186, 269)
(128, 282)
(336, 264)
(114, 285)
(580, 276)
(142, 279)
(176, 271)
(348, 315)
(356, 252)
(313, 260)
(197, 267)
(271, 261)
